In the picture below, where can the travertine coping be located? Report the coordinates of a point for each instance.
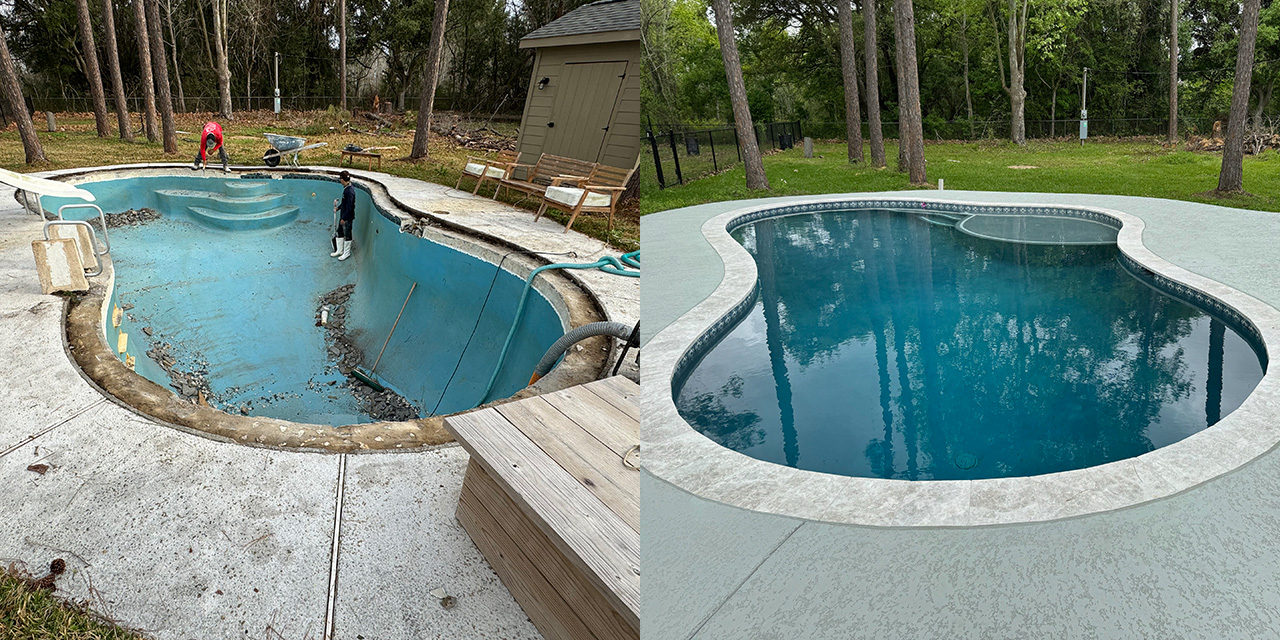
(87, 344)
(678, 454)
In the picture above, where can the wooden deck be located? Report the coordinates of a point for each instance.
(552, 505)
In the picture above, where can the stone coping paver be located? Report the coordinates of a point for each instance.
(1199, 563)
(183, 536)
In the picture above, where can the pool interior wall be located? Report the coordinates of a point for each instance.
(235, 297)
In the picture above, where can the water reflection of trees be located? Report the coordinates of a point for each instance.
(954, 378)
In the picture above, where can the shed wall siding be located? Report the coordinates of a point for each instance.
(620, 146)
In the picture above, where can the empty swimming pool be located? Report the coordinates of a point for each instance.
(222, 284)
(893, 345)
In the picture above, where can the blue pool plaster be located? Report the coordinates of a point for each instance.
(230, 278)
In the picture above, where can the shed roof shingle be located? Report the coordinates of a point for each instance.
(596, 17)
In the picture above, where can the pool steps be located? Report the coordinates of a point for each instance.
(240, 205)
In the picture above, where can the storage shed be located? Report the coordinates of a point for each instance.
(584, 96)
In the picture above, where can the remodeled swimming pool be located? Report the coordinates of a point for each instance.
(221, 297)
(886, 345)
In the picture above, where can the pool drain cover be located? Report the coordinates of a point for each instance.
(966, 461)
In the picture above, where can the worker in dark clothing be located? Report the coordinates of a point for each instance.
(346, 209)
(210, 141)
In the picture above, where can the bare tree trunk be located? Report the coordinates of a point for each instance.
(1017, 73)
(164, 98)
(12, 92)
(144, 63)
(1053, 111)
(1232, 176)
(756, 178)
(849, 71)
(113, 68)
(1173, 71)
(964, 51)
(221, 69)
(872, 81)
(911, 135)
(430, 77)
(91, 68)
(177, 70)
(342, 51)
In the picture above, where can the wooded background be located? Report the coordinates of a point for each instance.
(792, 67)
(485, 71)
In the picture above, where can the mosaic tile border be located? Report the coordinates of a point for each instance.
(676, 453)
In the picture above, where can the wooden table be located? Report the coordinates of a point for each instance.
(363, 154)
(551, 502)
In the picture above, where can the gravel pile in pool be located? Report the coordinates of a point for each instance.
(379, 405)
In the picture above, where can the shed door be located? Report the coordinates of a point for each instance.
(583, 109)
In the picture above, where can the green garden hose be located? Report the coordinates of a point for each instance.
(628, 266)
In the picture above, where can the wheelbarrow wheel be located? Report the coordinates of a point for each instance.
(271, 158)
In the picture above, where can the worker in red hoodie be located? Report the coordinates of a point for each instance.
(211, 140)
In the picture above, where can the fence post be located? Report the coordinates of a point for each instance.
(675, 155)
(711, 135)
(737, 144)
(657, 161)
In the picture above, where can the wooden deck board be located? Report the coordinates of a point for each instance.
(541, 567)
(605, 421)
(593, 464)
(591, 536)
(550, 503)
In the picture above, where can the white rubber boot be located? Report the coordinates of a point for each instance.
(337, 247)
(346, 250)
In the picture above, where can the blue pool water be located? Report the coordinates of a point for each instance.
(882, 345)
(231, 276)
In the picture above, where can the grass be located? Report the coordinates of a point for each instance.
(27, 613)
(76, 144)
(1135, 167)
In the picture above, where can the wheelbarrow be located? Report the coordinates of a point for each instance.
(282, 145)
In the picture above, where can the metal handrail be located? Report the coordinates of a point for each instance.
(93, 238)
(106, 241)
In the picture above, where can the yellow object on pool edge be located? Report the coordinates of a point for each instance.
(122, 343)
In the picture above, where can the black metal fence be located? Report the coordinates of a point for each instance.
(935, 129)
(681, 153)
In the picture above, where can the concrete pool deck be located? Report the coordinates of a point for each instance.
(1199, 563)
(182, 536)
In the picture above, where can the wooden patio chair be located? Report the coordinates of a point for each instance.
(485, 169)
(599, 193)
(541, 175)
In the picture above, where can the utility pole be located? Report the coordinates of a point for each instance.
(1084, 110)
(277, 74)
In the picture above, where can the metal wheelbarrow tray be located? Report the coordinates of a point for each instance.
(282, 145)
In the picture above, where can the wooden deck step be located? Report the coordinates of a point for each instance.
(549, 501)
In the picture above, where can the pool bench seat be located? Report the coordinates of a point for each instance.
(550, 500)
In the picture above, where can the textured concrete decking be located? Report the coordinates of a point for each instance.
(186, 537)
(1202, 563)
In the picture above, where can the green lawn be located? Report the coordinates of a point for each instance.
(27, 613)
(1137, 167)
